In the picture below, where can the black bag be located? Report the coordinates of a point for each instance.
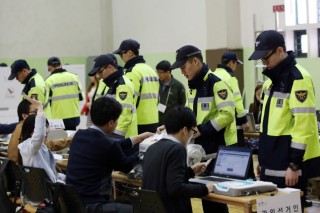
(50, 206)
(6, 206)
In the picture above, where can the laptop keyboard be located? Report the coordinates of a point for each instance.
(215, 179)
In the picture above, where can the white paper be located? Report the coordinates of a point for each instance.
(162, 108)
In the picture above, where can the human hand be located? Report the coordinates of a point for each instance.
(245, 127)
(160, 129)
(37, 103)
(291, 177)
(210, 187)
(199, 168)
(139, 138)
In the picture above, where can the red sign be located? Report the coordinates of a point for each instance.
(278, 8)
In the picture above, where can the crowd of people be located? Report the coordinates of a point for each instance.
(127, 104)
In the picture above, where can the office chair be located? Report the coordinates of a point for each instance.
(34, 188)
(65, 198)
(10, 186)
(144, 200)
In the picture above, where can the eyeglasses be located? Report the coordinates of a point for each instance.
(265, 59)
(194, 131)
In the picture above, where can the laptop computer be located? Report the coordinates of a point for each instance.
(232, 163)
(251, 122)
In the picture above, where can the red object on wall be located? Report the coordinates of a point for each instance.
(278, 8)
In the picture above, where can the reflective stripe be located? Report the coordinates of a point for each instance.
(266, 91)
(149, 79)
(236, 93)
(303, 110)
(191, 100)
(46, 104)
(126, 106)
(278, 173)
(136, 93)
(225, 104)
(134, 109)
(205, 100)
(149, 96)
(63, 97)
(118, 132)
(242, 115)
(110, 96)
(281, 95)
(239, 127)
(64, 84)
(215, 125)
(297, 145)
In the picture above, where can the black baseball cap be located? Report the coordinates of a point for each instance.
(183, 54)
(266, 41)
(126, 45)
(230, 56)
(17, 66)
(54, 61)
(101, 61)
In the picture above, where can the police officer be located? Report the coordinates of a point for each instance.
(64, 92)
(34, 83)
(289, 150)
(116, 85)
(145, 82)
(212, 102)
(225, 71)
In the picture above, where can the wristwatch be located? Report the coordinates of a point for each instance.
(293, 167)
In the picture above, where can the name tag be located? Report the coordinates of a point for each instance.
(162, 107)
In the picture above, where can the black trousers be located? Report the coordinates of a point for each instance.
(111, 207)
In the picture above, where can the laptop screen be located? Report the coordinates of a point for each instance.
(232, 162)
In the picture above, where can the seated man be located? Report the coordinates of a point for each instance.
(25, 108)
(94, 155)
(165, 167)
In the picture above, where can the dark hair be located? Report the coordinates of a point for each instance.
(105, 109)
(136, 52)
(179, 117)
(92, 84)
(23, 108)
(163, 65)
(3, 65)
(28, 127)
(256, 103)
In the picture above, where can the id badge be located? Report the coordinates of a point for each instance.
(162, 107)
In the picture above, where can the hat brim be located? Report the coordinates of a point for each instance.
(177, 64)
(93, 71)
(118, 51)
(239, 62)
(12, 76)
(257, 54)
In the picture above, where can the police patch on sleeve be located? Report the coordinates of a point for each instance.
(301, 95)
(223, 94)
(35, 96)
(123, 95)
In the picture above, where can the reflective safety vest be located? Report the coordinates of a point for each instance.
(123, 92)
(289, 131)
(35, 88)
(214, 107)
(146, 88)
(227, 75)
(65, 92)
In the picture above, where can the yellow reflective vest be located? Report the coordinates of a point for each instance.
(121, 89)
(65, 92)
(227, 75)
(35, 88)
(289, 132)
(146, 88)
(212, 102)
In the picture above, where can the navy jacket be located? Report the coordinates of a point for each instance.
(92, 158)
